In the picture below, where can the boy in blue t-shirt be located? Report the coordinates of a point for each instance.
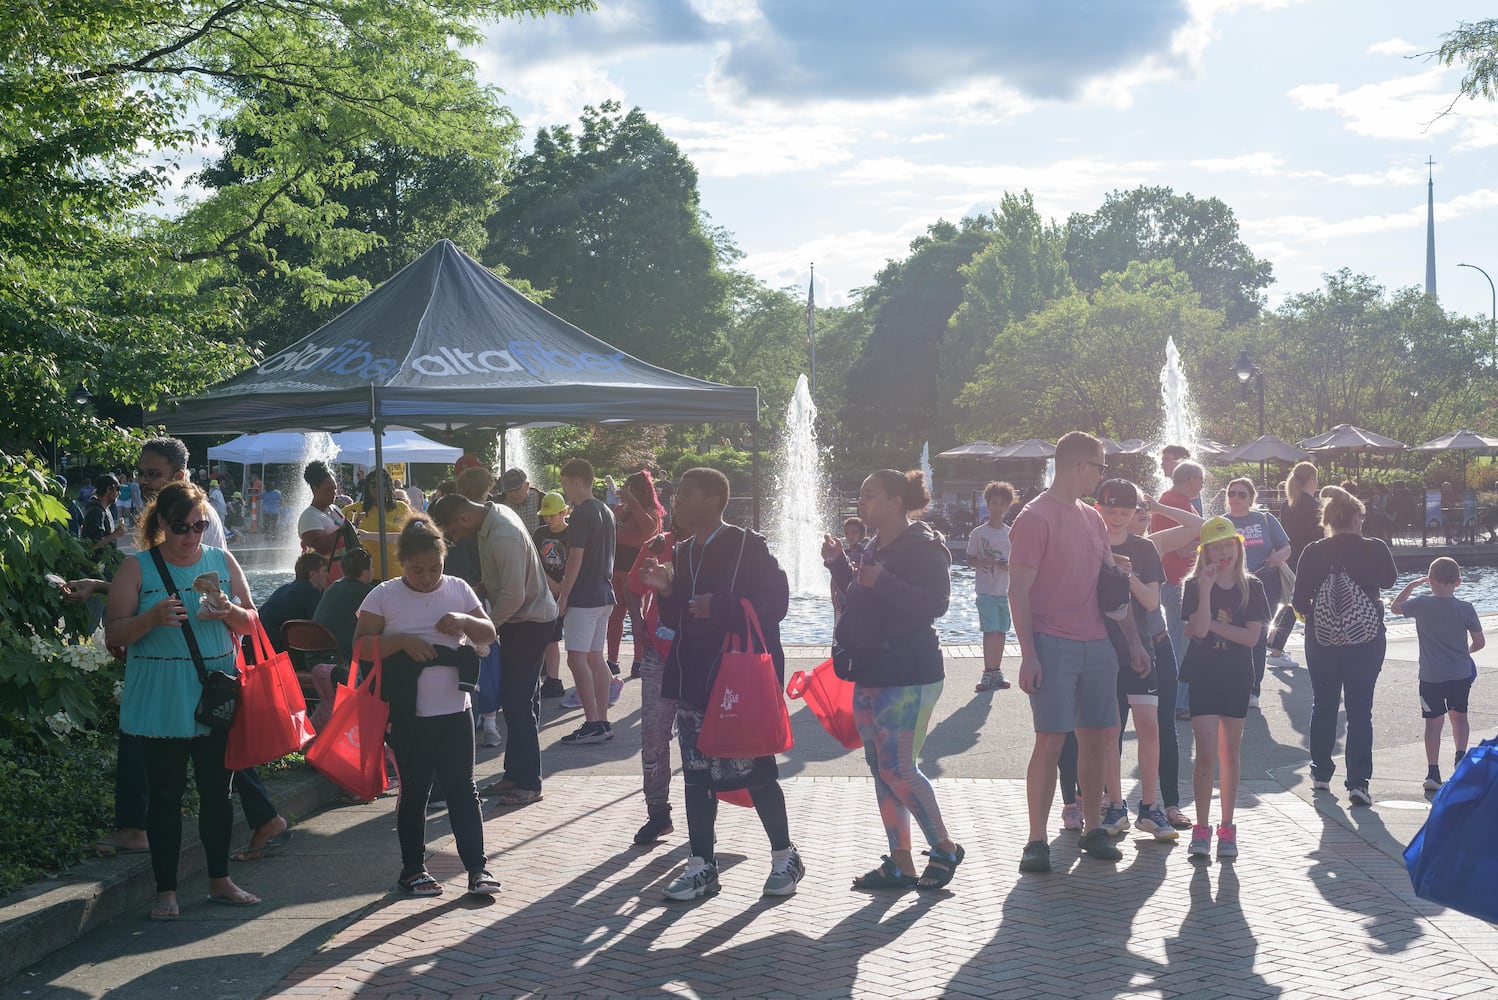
(1445, 625)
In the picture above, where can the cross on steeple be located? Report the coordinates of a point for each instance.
(1431, 164)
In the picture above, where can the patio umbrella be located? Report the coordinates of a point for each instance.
(1208, 448)
(1267, 448)
(1462, 440)
(1346, 437)
(1135, 446)
(1028, 448)
(973, 449)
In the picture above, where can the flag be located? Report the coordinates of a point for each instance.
(811, 309)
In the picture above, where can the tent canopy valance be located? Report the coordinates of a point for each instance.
(447, 343)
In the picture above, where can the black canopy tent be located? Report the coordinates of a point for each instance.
(444, 343)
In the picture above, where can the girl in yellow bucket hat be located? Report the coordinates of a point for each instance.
(1225, 609)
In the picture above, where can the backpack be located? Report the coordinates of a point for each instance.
(1342, 612)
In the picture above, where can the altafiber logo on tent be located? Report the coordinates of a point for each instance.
(353, 357)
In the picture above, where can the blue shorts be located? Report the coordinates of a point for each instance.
(1078, 685)
(993, 613)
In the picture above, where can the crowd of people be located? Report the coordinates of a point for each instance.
(1114, 598)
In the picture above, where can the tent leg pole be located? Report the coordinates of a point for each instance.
(379, 471)
(754, 472)
(503, 459)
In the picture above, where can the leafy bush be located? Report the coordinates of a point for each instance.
(736, 465)
(56, 797)
(45, 657)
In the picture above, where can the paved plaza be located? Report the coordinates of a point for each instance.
(1316, 906)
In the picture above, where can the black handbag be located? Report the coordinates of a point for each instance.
(220, 698)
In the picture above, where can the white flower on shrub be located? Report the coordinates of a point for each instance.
(61, 723)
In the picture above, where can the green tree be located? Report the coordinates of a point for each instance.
(1473, 45)
(766, 342)
(1199, 236)
(1091, 361)
(893, 389)
(1021, 270)
(104, 100)
(607, 219)
(1350, 353)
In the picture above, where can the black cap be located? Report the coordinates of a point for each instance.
(1118, 493)
(512, 480)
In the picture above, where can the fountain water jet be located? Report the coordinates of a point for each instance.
(295, 498)
(1180, 425)
(518, 454)
(801, 518)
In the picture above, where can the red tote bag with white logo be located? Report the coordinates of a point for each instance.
(746, 714)
(350, 749)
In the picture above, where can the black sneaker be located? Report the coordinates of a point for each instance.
(1098, 844)
(656, 827)
(552, 688)
(1036, 857)
(634, 670)
(588, 732)
(614, 667)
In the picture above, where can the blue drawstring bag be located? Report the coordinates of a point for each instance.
(486, 698)
(1453, 860)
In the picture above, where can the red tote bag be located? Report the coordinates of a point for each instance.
(746, 714)
(350, 749)
(272, 718)
(830, 699)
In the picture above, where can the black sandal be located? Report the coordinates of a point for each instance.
(886, 876)
(419, 884)
(941, 868)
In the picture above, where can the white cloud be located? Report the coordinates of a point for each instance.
(1406, 108)
(555, 91)
(739, 149)
(1314, 229)
(1260, 164)
(843, 260)
(1059, 187)
(1393, 47)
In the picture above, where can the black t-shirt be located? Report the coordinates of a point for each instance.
(552, 548)
(1228, 608)
(1148, 567)
(98, 521)
(591, 528)
(1367, 560)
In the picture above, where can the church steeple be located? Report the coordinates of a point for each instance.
(1430, 229)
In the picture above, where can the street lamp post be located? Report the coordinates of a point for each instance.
(1245, 369)
(1493, 329)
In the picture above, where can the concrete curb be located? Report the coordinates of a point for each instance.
(54, 913)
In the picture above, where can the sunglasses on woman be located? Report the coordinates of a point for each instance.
(1238, 495)
(196, 527)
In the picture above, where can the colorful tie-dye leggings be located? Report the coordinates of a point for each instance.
(892, 722)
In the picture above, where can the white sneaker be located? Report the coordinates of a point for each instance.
(491, 734)
(571, 701)
(1432, 784)
(1253, 701)
(1280, 660)
(786, 870)
(698, 880)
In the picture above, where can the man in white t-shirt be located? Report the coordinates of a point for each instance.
(988, 554)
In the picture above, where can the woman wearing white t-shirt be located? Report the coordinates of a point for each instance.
(321, 527)
(422, 619)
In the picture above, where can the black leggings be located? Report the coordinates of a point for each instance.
(702, 817)
(166, 774)
(444, 744)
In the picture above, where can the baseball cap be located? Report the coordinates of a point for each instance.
(513, 479)
(1217, 529)
(106, 482)
(1118, 493)
(553, 503)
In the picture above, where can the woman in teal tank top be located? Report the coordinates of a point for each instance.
(162, 686)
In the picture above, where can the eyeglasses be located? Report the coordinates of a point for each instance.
(1239, 495)
(197, 528)
(1101, 467)
(150, 473)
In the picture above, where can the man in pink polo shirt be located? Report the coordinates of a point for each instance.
(1058, 546)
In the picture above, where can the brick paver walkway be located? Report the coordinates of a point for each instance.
(1308, 910)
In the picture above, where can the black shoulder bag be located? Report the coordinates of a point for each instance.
(220, 698)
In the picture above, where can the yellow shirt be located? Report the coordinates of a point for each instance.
(395, 519)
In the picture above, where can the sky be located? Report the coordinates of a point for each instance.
(835, 131)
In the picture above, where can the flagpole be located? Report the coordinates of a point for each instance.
(811, 326)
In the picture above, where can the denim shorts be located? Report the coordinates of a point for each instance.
(1078, 684)
(993, 613)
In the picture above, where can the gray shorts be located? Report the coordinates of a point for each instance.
(1078, 684)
